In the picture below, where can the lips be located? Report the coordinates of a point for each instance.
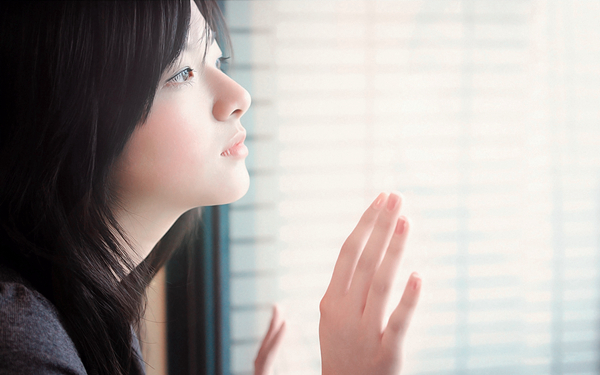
(236, 146)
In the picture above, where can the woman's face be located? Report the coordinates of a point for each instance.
(190, 150)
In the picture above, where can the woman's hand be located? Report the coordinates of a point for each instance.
(263, 364)
(355, 337)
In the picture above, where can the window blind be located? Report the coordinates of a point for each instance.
(484, 114)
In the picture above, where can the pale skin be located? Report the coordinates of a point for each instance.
(355, 336)
(180, 159)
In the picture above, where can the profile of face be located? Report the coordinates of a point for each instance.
(190, 151)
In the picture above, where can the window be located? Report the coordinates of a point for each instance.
(484, 114)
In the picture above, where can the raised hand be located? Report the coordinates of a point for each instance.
(263, 364)
(355, 337)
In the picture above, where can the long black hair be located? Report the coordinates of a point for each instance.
(76, 78)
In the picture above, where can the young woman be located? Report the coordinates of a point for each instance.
(117, 123)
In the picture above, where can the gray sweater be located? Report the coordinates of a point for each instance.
(32, 337)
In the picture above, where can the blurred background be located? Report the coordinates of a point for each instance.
(484, 114)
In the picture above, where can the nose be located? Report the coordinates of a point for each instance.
(230, 99)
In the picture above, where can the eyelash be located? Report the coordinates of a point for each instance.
(191, 72)
(221, 61)
(174, 80)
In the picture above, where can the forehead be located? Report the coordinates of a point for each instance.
(197, 30)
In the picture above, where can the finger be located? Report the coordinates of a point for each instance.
(374, 249)
(274, 325)
(270, 344)
(263, 365)
(352, 248)
(380, 289)
(394, 333)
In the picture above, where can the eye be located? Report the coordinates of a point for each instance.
(182, 77)
(221, 62)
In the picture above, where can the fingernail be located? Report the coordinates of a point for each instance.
(378, 203)
(400, 225)
(393, 201)
(416, 280)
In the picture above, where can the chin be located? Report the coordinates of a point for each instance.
(233, 192)
(239, 193)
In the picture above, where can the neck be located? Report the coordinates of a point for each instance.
(144, 226)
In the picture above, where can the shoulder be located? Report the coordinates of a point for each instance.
(32, 337)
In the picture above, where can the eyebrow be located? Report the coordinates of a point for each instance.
(189, 44)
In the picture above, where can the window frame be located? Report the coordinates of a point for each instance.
(198, 337)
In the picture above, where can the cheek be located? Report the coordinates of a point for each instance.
(170, 150)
